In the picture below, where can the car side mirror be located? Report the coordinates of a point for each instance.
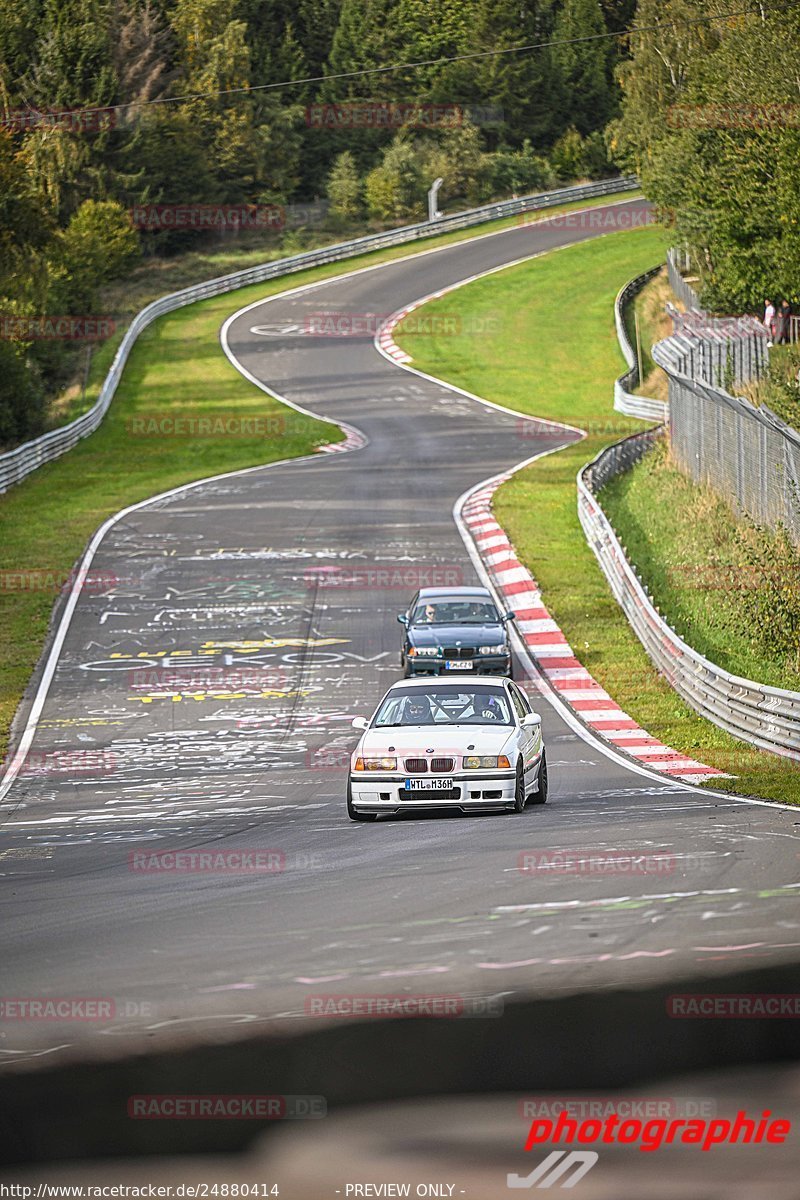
(360, 723)
(531, 720)
(510, 616)
(403, 619)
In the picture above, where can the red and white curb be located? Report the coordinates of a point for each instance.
(387, 343)
(385, 339)
(552, 653)
(355, 440)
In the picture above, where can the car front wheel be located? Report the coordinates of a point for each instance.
(540, 795)
(519, 790)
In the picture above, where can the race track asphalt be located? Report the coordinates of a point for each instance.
(203, 696)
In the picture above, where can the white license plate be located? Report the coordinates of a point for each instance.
(428, 785)
(460, 665)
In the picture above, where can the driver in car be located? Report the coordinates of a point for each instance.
(417, 711)
(486, 708)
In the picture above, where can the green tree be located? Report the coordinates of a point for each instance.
(585, 66)
(72, 66)
(709, 122)
(21, 396)
(26, 226)
(345, 188)
(528, 87)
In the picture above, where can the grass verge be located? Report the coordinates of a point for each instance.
(175, 368)
(559, 359)
(724, 584)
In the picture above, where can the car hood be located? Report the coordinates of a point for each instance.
(410, 740)
(451, 635)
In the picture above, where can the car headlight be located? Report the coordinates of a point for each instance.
(423, 651)
(498, 649)
(376, 764)
(492, 762)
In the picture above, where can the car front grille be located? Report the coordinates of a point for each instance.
(438, 766)
(417, 766)
(458, 651)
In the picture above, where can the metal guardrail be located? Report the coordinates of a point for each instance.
(18, 463)
(763, 716)
(625, 402)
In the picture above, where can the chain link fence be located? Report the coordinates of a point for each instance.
(747, 454)
(744, 452)
(677, 264)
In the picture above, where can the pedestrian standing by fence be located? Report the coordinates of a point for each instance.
(769, 319)
(783, 323)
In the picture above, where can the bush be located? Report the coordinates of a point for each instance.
(779, 390)
(395, 190)
(458, 158)
(766, 583)
(520, 171)
(567, 157)
(99, 244)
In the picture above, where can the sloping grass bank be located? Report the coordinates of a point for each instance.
(730, 589)
(553, 334)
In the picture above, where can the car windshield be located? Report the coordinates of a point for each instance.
(455, 612)
(443, 706)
